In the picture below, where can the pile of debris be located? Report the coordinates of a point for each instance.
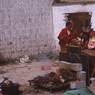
(49, 82)
(68, 76)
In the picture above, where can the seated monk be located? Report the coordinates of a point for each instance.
(66, 35)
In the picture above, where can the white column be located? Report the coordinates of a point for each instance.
(58, 24)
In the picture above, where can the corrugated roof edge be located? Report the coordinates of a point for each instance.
(70, 3)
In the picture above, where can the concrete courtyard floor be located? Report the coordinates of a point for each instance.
(22, 72)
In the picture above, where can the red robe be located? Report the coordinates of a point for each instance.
(64, 38)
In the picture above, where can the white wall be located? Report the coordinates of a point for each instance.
(59, 16)
(25, 27)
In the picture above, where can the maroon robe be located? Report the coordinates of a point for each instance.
(64, 38)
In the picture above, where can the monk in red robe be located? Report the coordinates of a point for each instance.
(66, 35)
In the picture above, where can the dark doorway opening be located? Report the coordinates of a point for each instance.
(81, 21)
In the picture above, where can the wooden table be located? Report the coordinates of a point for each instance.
(88, 52)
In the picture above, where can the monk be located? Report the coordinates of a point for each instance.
(66, 35)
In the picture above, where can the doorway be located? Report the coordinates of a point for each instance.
(81, 21)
